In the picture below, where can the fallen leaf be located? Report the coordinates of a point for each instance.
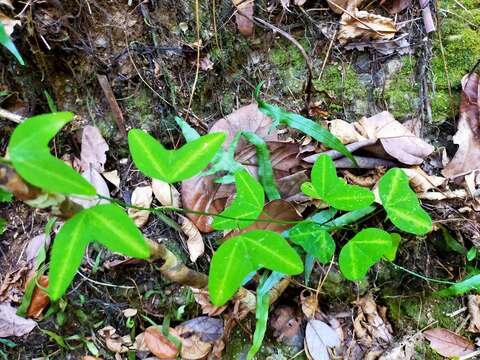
(404, 349)
(395, 6)
(244, 24)
(8, 23)
(139, 344)
(158, 344)
(130, 312)
(195, 244)
(207, 328)
(118, 344)
(319, 337)
(202, 298)
(94, 178)
(141, 197)
(474, 311)
(193, 348)
(399, 45)
(40, 299)
(300, 2)
(338, 6)
(467, 137)
(88, 357)
(11, 324)
(34, 246)
(344, 131)
(287, 325)
(309, 303)
(420, 181)
(94, 148)
(112, 176)
(397, 141)
(447, 343)
(364, 25)
(206, 64)
(167, 194)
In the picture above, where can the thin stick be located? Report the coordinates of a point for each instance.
(11, 116)
(197, 70)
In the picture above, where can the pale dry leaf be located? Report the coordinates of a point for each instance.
(339, 6)
(139, 344)
(474, 311)
(11, 324)
(195, 244)
(344, 131)
(404, 349)
(207, 328)
(447, 343)
(88, 357)
(193, 348)
(471, 184)
(206, 64)
(94, 178)
(118, 344)
(309, 303)
(364, 25)
(34, 246)
(107, 331)
(202, 298)
(243, 16)
(300, 2)
(318, 338)
(112, 177)
(142, 196)
(396, 140)
(94, 148)
(158, 344)
(165, 193)
(420, 181)
(130, 312)
(8, 23)
(467, 137)
(379, 329)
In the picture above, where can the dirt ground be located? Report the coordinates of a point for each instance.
(147, 52)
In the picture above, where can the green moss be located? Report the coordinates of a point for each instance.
(460, 37)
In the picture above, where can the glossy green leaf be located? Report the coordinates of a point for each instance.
(189, 133)
(240, 255)
(248, 204)
(314, 239)
(452, 243)
(392, 252)
(364, 250)
(401, 203)
(67, 253)
(3, 225)
(8, 43)
(28, 150)
(471, 254)
(112, 227)
(334, 191)
(151, 157)
(462, 287)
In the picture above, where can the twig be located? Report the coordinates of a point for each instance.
(197, 69)
(11, 116)
(364, 163)
(117, 112)
(336, 155)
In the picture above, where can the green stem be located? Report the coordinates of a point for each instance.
(398, 267)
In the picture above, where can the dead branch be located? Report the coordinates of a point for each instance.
(10, 116)
(364, 163)
(336, 155)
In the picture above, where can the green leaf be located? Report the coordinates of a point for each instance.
(334, 191)
(323, 216)
(5, 196)
(112, 227)
(362, 251)
(67, 253)
(304, 125)
(314, 239)
(3, 225)
(171, 166)
(28, 150)
(240, 255)
(401, 203)
(392, 252)
(472, 254)
(248, 204)
(8, 43)
(462, 287)
(452, 243)
(51, 103)
(188, 132)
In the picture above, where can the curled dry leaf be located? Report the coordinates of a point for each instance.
(34, 246)
(94, 148)
(371, 325)
(420, 181)
(364, 25)
(141, 197)
(158, 344)
(13, 325)
(202, 299)
(447, 343)
(397, 141)
(40, 299)
(467, 137)
(195, 244)
(344, 131)
(308, 300)
(165, 193)
(243, 16)
(319, 337)
(207, 328)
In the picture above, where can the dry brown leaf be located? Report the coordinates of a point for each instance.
(420, 181)
(447, 343)
(467, 137)
(141, 197)
(94, 148)
(286, 324)
(158, 344)
(396, 140)
(13, 325)
(474, 311)
(167, 194)
(8, 23)
(319, 337)
(118, 344)
(364, 25)
(344, 131)
(206, 64)
(198, 335)
(40, 299)
(244, 24)
(139, 344)
(369, 325)
(195, 244)
(309, 303)
(202, 298)
(338, 6)
(112, 177)
(130, 312)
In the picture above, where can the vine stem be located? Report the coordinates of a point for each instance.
(398, 267)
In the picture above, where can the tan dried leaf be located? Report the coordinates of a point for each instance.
(13, 325)
(202, 298)
(118, 344)
(344, 131)
(158, 344)
(420, 181)
(308, 300)
(339, 6)
(319, 337)
(286, 324)
(244, 24)
(195, 244)
(141, 197)
(474, 311)
(364, 25)
(94, 148)
(374, 324)
(447, 343)
(40, 299)
(112, 176)
(167, 194)
(94, 178)
(130, 312)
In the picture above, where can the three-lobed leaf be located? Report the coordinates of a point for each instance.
(29, 153)
(364, 250)
(151, 157)
(244, 254)
(107, 224)
(401, 203)
(314, 239)
(333, 190)
(245, 208)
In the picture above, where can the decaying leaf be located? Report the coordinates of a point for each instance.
(11, 324)
(309, 303)
(420, 181)
(395, 6)
(404, 349)
(167, 194)
(242, 18)
(447, 343)
(319, 337)
(467, 157)
(370, 325)
(158, 344)
(344, 131)
(34, 246)
(94, 178)
(195, 244)
(207, 328)
(94, 148)
(112, 176)
(397, 141)
(40, 299)
(364, 25)
(287, 325)
(202, 299)
(474, 311)
(141, 197)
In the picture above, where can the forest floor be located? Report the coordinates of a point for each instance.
(94, 57)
